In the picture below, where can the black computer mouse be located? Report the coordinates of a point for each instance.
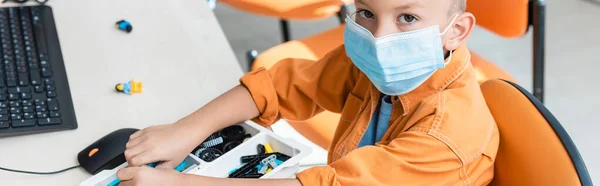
(106, 153)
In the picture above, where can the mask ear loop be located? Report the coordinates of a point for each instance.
(449, 25)
(446, 30)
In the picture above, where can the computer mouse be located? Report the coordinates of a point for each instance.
(107, 152)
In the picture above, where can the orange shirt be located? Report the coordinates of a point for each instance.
(441, 133)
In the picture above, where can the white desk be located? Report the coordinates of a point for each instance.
(178, 51)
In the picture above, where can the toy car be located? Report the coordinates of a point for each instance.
(129, 87)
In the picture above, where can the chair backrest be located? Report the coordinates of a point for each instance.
(507, 18)
(290, 9)
(534, 148)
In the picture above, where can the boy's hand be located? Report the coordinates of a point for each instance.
(147, 176)
(169, 144)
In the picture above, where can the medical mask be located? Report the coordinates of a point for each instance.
(396, 63)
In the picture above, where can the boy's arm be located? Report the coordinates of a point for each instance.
(172, 143)
(420, 156)
(297, 89)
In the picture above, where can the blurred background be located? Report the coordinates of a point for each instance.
(572, 61)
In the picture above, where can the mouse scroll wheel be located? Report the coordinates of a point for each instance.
(92, 152)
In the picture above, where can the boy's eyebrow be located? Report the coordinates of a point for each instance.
(359, 1)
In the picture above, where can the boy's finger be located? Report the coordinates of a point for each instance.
(136, 134)
(167, 165)
(133, 151)
(127, 183)
(127, 173)
(143, 159)
(134, 142)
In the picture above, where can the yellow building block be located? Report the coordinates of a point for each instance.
(136, 87)
(268, 148)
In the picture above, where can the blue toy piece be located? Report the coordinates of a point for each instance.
(127, 87)
(179, 168)
(125, 26)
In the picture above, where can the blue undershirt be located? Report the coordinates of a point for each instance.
(379, 122)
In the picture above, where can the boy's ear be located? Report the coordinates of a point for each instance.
(459, 32)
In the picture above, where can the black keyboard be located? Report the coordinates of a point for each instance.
(34, 91)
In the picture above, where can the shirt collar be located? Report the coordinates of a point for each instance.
(439, 81)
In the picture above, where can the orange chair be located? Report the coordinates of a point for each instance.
(512, 18)
(534, 148)
(292, 10)
(508, 18)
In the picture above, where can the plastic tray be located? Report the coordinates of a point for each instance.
(221, 166)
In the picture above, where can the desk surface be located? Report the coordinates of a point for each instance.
(177, 49)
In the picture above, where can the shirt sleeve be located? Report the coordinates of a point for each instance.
(298, 89)
(413, 158)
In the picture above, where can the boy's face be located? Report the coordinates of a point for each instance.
(384, 17)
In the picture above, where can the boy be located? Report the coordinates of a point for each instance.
(411, 109)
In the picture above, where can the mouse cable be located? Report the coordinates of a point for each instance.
(42, 173)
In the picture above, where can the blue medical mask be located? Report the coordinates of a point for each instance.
(396, 63)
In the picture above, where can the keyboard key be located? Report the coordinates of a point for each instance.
(41, 114)
(4, 111)
(52, 104)
(28, 115)
(51, 94)
(23, 123)
(17, 90)
(14, 104)
(48, 81)
(13, 97)
(40, 108)
(15, 110)
(4, 124)
(4, 117)
(36, 79)
(2, 97)
(49, 121)
(54, 114)
(50, 88)
(3, 104)
(39, 89)
(11, 82)
(26, 96)
(15, 117)
(27, 109)
(23, 79)
(33, 65)
(44, 64)
(46, 72)
(39, 102)
(27, 103)
(40, 37)
(43, 56)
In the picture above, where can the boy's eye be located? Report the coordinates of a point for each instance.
(366, 14)
(406, 19)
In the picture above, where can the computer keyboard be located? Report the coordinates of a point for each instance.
(34, 92)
